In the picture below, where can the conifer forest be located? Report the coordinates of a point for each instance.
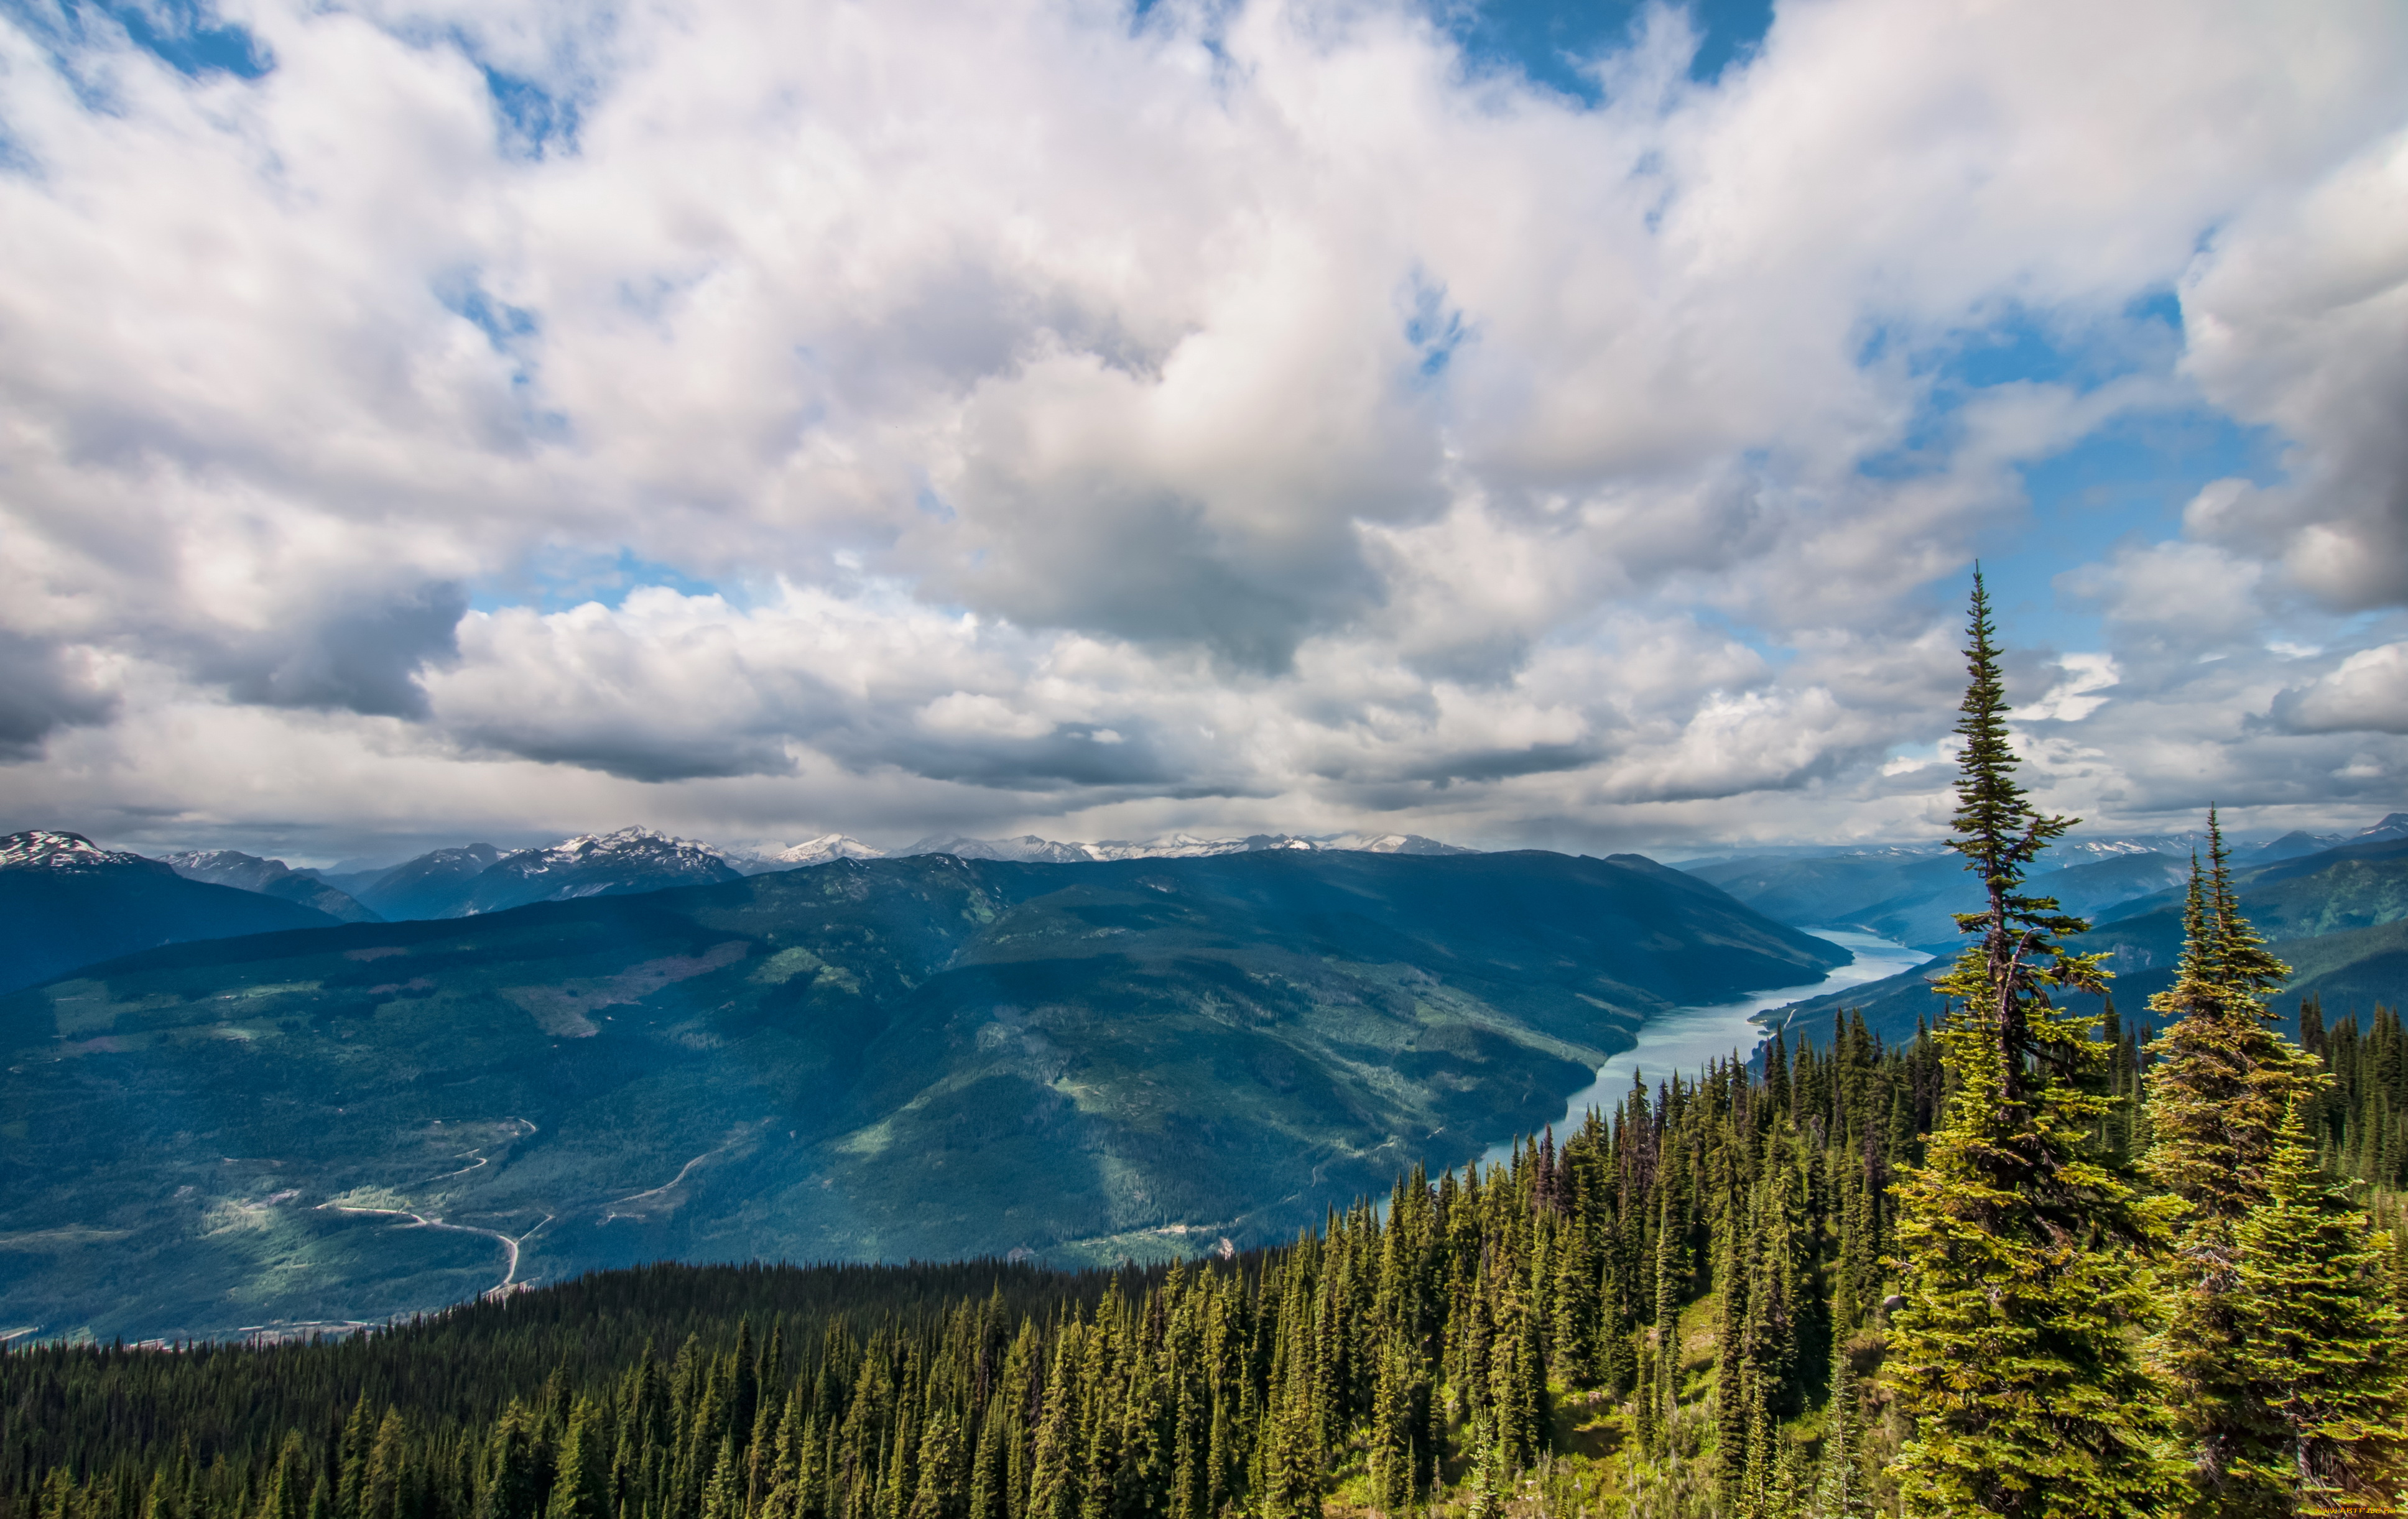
(2038, 1261)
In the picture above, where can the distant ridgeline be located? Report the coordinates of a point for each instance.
(1673, 1312)
(2031, 1263)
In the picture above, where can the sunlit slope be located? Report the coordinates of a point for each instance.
(882, 1059)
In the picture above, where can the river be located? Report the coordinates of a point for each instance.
(1686, 1038)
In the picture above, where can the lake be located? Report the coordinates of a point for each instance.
(1686, 1038)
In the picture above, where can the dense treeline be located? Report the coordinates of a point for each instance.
(2360, 1120)
(1450, 1339)
(2033, 1262)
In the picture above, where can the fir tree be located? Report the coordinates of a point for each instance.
(581, 1476)
(2321, 1349)
(2012, 1353)
(512, 1489)
(1842, 1491)
(2223, 1082)
(941, 1493)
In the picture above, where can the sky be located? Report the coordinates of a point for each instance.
(1526, 425)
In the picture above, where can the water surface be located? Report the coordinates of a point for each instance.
(1686, 1038)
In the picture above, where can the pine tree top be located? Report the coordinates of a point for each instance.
(2003, 978)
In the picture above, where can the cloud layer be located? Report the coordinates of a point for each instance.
(1259, 415)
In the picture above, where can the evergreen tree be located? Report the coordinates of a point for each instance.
(512, 1489)
(942, 1492)
(2320, 1350)
(582, 1475)
(1842, 1491)
(2012, 1354)
(2223, 1082)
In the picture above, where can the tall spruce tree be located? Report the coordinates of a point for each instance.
(2012, 1354)
(2320, 1348)
(2223, 1082)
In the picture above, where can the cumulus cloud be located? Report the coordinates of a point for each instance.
(2367, 693)
(1252, 414)
(2298, 312)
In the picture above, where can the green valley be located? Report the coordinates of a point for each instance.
(863, 1060)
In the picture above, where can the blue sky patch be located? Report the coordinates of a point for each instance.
(1434, 328)
(556, 579)
(532, 122)
(186, 34)
(2126, 483)
(1546, 40)
(502, 323)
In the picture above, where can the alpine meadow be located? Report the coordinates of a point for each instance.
(2035, 1261)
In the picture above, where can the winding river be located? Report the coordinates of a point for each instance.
(1686, 1038)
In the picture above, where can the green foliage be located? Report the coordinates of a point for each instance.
(916, 1059)
(2223, 1082)
(2013, 1352)
(2320, 1354)
(1435, 1353)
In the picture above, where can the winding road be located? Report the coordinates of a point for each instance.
(418, 1220)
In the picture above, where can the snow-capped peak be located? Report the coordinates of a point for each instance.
(45, 849)
(632, 844)
(1179, 846)
(760, 859)
(2394, 826)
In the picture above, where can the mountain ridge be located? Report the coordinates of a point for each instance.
(869, 1059)
(66, 902)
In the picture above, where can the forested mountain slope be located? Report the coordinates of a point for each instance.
(865, 1060)
(1678, 1311)
(65, 902)
(2339, 919)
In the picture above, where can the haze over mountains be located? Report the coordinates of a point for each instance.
(1903, 892)
(2338, 917)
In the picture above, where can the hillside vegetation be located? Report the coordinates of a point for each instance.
(863, 1060)
(2026, 1266)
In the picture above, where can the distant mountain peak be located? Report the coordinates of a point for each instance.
(227, 867)
(623, 861)
(1029, 848)
(269, 878)
(632, 843)
(49, 848)
(2394, 826)
(764, 858)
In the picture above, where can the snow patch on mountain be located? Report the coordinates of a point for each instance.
(228, 867)
(629, 860)
(2395, 825)
(45, 849)
(760, 859)
(1031, 849)
(648, 847)
(268, 878)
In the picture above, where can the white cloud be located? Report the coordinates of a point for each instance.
(1251, 416)
(2075, 696)
(2367, 693)
(2299, 316)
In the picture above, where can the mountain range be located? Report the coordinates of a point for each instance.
(66, 902)
(2338, 917)
(269, 878)
(919, 1056)
(631, 1045)
(1908, 893)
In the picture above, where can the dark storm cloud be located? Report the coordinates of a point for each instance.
(364, 660)
(38, 696)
